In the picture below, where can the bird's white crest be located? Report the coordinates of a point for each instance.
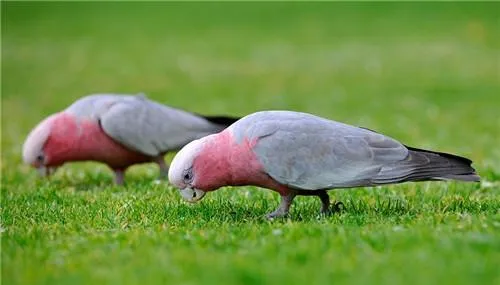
(183, 160)
(36, 139)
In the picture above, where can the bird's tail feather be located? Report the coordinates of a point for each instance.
(422, 165)
(220, 120)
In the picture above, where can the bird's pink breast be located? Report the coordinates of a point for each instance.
(224, 162)
(74, 139)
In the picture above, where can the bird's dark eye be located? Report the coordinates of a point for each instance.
(188, 175)
(39, 158)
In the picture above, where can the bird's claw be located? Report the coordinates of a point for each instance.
(338, 207)
(276, 215)
(333, 208)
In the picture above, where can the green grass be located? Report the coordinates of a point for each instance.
(426, 74)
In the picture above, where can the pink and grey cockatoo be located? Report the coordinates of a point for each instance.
(118, 130)
(302, 154)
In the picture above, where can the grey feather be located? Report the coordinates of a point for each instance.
(423, 164)
(310, 153)
(141, 124)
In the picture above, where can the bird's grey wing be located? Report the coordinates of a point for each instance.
(310, 153)
(152, 128)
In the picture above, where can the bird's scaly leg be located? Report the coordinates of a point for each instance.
(119, 176)
(160, 160)
(284, 207)
(325, 202)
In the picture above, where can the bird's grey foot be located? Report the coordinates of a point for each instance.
(327, 208)
(337, 207)
(325, 202)
(119, 177)
(282, 211)
(163, 167)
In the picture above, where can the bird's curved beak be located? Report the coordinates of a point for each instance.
(45, 171)
(192, 195)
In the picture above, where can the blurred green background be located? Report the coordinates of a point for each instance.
(427, 74)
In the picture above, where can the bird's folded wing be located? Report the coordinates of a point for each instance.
(311, 153)
(152, 128)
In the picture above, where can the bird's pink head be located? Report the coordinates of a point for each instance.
(181, 173)
(33, 147)
(44, 145)
(201, 166)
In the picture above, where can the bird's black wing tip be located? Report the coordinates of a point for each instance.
(220, 120)
(444, 154)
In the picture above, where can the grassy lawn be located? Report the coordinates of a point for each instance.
(426, 74)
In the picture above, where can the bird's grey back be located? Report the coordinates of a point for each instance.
(142, 124)
(93, 106)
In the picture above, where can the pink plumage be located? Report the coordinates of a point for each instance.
(80, 140)
(222, 162)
